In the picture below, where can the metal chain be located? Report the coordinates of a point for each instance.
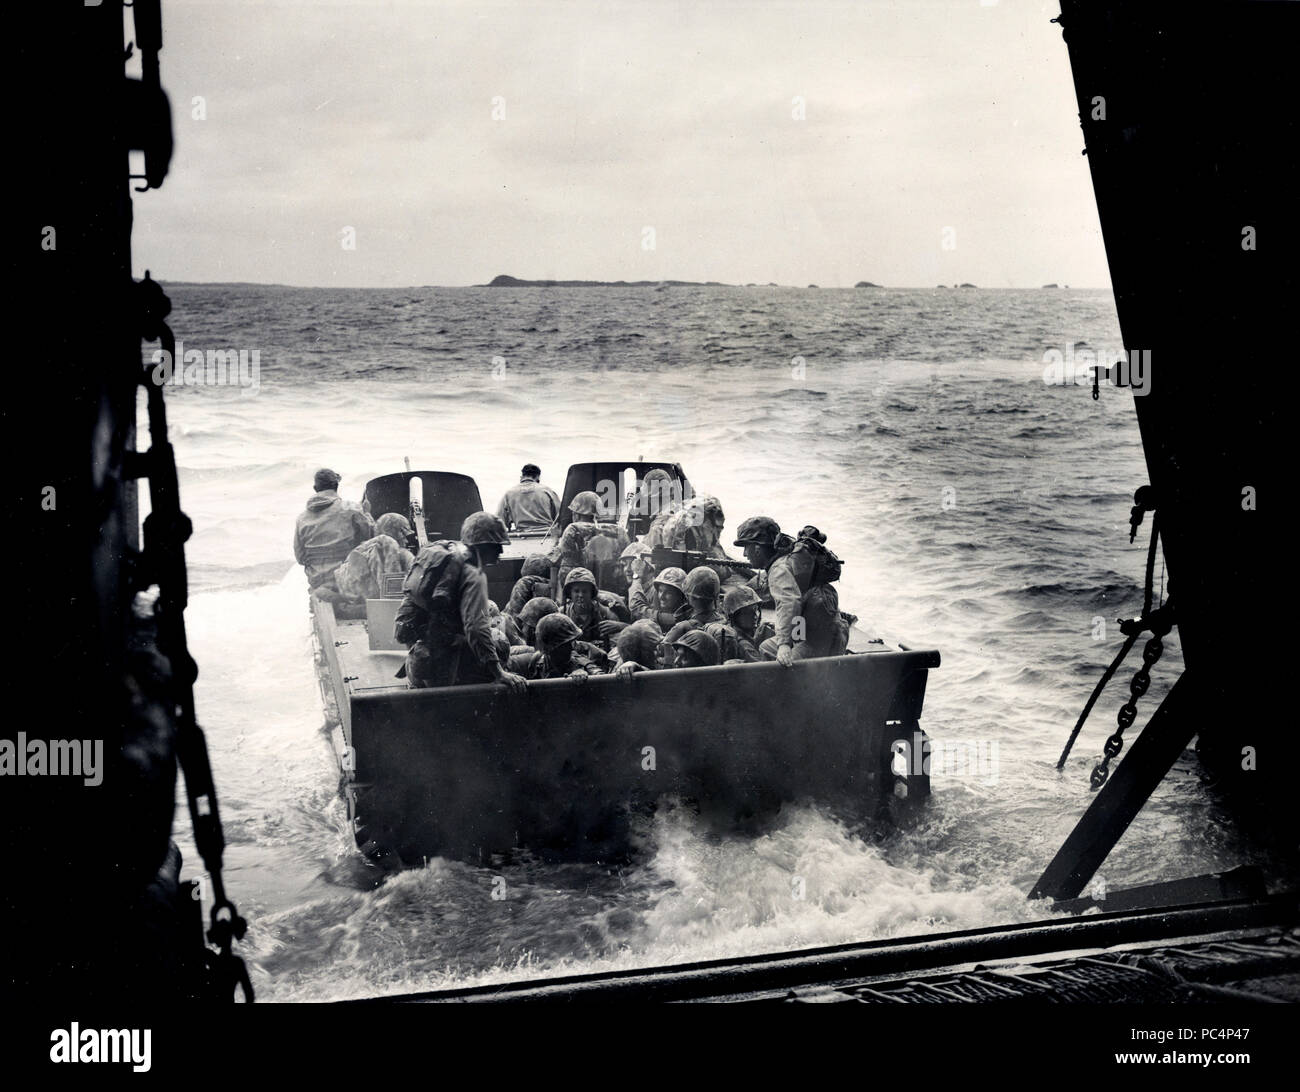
(166, 530)
(1127, 714)
(1158, 621)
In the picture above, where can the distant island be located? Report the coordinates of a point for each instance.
(1051, 286)
(504, 281)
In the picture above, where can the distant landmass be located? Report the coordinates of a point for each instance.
(505, 281)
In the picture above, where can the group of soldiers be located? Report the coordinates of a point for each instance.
(595, 604)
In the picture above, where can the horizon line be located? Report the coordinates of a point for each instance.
(671, 282)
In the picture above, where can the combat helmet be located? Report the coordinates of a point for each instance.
(555, 630)
(673, 577)
(585, 503)
(536, 609)
(483, 527)
(761, 530)
(395, 525)
(699, 642)
(640, 642)
(738, 599)
(702, 583)
(579, 575)
(536, 565)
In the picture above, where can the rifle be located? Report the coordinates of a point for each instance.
(661, 557)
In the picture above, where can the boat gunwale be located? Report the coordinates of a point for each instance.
(923, 660)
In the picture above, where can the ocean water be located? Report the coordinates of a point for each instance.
(979, 510)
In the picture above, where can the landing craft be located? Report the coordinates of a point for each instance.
(1212, 436)
(469, 771)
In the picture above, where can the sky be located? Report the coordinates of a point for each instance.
(906, 143)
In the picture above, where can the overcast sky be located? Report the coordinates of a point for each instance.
(918, 115)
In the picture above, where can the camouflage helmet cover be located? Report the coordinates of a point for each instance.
(483, 527)
(579, 575)
(395, 525)
(702, 583)
(536, 565)
(536, 609)
(673, 577)
(555, 630)
(758, 529)
(699, 642)
(738, 599)
(640, 642)
(585, 503)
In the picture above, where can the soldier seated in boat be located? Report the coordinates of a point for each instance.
(504, 624)
(585, 542)
(799, 574)
(529, 507)
(670, 596)
(596, 622)
(658, 492)
(534, 611)
(444, 616)
(560, 653)
(740, 635)
(328, 531)
(534, 581)
(699, 610)
(694, 648)
(640, 575)
(361, 576)
(638, 648)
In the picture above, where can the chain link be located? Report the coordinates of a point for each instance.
(1127, 714)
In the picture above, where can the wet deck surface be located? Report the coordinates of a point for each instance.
(372, 670)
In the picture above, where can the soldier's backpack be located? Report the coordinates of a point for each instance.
(430, 589)
(812, 562)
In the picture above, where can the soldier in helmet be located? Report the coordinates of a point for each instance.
(585, 542)
(596, 622)
(444, 615)
(638, 648)
(534, 580)
(694, 648)
(361, 576)
(670, 596)
(700, 608)
(808, 622)
(534, 611)
(640, 575)
(560, 652)
(740, 635)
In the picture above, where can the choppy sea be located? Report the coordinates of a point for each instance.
(980, 510)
